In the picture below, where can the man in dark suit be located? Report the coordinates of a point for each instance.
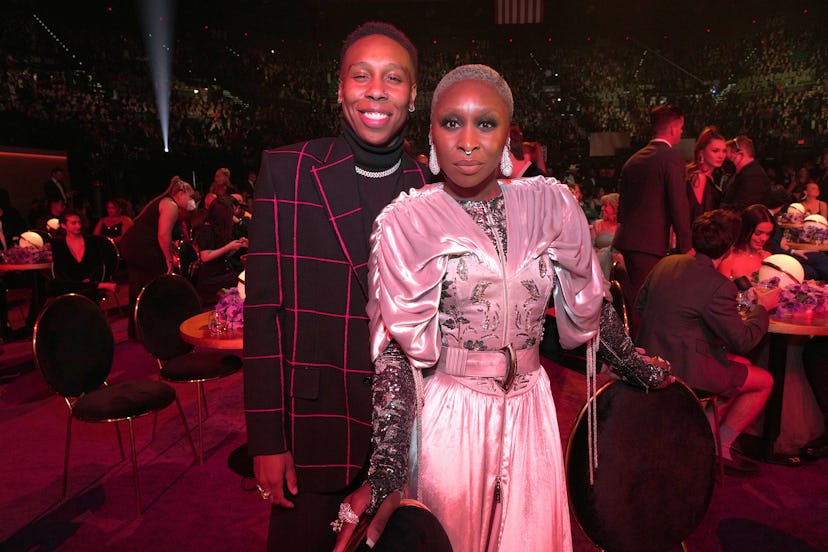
(750, 184)
(55, 189)
(689, 316)
(653, 199)
(307, 370)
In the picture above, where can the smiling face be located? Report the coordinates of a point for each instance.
(470, 116)
(714, 154)
(760, 235)
(376, 86)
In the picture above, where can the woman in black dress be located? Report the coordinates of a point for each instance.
(147, 246)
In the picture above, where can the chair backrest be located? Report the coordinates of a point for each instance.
(186, 261)
(73, 345)
(656, 468)
(161, 307)
(109, 255)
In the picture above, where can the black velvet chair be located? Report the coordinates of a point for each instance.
(161, 307)
(655, 473)
(411, 528)
(111, 258)
(73, 349)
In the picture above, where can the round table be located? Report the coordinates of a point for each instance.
(780, 330)
(38, 287)
(194, 331)
(9, 267)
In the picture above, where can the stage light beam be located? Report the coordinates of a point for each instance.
(158, 31)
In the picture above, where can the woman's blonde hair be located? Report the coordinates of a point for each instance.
(178, 185)
(482, 73)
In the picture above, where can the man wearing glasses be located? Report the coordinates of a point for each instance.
(750, 184)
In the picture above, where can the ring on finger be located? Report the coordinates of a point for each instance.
(264, 494)
(346, 515)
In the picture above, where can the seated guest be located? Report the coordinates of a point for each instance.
(216, 246)
(77, 262)
(758, 225)
(603, 232)
(815, 263)
(811, 202)
(220, 187)
(115, 223)
(689, 328)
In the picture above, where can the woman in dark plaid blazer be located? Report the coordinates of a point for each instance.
(307, 365)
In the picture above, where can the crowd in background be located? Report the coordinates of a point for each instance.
(239, 97)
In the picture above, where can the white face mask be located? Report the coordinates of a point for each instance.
(191, 204)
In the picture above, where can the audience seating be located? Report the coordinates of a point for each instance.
(73, 349)
(161, 307)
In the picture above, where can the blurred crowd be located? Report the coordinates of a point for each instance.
(94, 90)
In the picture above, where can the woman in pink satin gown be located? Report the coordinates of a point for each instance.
(461, 274)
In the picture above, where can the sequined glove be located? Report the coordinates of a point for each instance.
(616, 348)
(395, 407)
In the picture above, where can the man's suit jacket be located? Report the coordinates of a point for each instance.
(307, 365)
(653, 197)
(689, 317)
(53, 192)
(750, 185)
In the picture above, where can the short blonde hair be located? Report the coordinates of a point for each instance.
(477, 72)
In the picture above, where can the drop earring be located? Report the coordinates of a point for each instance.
(433, 165)
(506, 161)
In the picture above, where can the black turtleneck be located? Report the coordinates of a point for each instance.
(375, 193)
(373, 158)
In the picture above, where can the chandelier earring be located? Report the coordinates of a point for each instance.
(433, 165)
(506, 161)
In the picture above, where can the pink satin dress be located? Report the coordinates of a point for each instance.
(448, 288)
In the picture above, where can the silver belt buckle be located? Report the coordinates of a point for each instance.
(511, 374)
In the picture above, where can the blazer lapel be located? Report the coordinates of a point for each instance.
(337, 183)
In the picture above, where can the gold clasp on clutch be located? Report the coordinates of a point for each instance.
(511, 374)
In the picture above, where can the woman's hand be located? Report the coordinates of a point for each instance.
(359, 501)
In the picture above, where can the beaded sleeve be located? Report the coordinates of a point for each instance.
(395, 407)
(617, 349)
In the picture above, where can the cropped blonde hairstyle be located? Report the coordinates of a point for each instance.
(475, 72)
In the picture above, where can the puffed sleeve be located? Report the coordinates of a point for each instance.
(564, 232)
(406, 268)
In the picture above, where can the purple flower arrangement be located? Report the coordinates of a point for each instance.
(792, 217)
(28, 255)
(231, 305)
(813, 234)
(808, 299)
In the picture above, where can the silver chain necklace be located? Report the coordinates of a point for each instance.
(380, 174)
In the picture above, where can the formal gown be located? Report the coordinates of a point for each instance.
(453, 283)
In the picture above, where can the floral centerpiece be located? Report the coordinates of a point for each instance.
(808, 299)
(231, 306)
(794, 214)
(28, 255)
(813, 234)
